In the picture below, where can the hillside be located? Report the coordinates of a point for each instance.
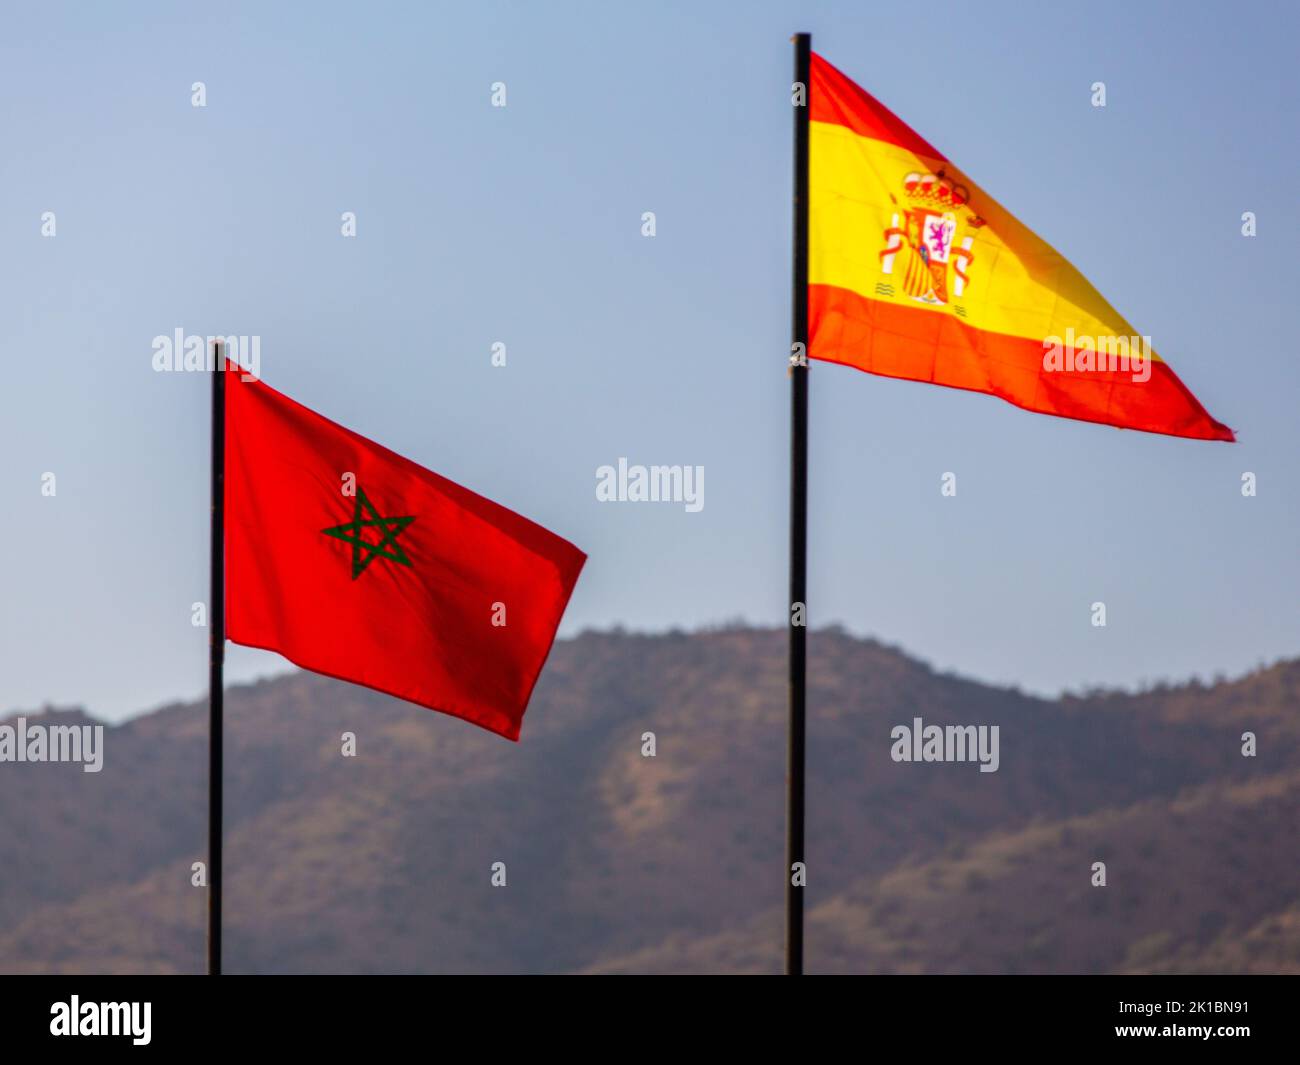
(616, 862)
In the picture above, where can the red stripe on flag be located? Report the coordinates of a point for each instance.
(838, 100)
(920, 345)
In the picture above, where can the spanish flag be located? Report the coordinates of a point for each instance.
(915, 272)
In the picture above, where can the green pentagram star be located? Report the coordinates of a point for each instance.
(364, 551)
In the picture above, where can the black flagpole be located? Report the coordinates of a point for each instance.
(798, 520)
(216, 655)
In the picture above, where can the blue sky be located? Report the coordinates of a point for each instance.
(522, 225)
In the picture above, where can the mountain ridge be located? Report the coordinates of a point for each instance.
(382, 863)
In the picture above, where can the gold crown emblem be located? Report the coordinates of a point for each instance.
(935, 191)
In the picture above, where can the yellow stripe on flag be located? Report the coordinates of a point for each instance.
(1018, 284)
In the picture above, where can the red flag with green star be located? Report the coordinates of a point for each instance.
(352, 561)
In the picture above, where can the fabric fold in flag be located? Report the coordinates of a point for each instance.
(915, 272)
(352, 561)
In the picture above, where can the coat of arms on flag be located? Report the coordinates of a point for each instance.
(923, 239)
